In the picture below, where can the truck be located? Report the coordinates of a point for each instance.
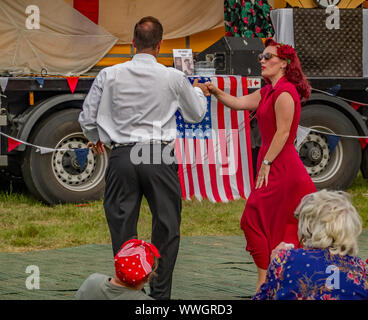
(40, 105)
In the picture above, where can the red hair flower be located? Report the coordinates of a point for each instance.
(286, 52)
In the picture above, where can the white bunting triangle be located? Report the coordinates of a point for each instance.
(44, 150)
(3, 83)
(301, 134)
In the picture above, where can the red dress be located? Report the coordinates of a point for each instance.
(268, 217)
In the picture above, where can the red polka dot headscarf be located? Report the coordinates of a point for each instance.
(134, 261)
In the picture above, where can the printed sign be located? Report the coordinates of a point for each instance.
(254, 83)
(183, 61)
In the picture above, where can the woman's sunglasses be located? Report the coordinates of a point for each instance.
(267, 56)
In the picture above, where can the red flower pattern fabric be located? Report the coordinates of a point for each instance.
(314, 274)
(248, 18)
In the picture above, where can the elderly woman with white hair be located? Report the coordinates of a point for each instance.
(326, 267)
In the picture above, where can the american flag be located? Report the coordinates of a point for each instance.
(214, 156)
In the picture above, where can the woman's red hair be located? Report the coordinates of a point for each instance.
(293, 71)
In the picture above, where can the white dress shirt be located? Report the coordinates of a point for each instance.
(136, 101)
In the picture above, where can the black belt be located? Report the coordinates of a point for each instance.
(115, 145)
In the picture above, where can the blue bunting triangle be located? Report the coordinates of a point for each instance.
(81, 155)
(40, 81)
(332, 142)
(334, 90)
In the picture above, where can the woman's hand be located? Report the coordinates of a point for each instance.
(212, 89)
(202, 86)
(262, 177)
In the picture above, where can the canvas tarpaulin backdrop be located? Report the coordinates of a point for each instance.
(67, 43)
(180, 18)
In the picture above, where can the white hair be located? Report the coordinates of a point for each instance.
(327, 219)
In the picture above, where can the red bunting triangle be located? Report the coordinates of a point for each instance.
(72, 81)
(12, 144)
(363, 142)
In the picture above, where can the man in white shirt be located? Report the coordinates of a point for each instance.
(133, 104)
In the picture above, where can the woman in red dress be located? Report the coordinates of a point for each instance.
(282, 181)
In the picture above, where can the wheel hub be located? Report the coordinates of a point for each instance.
(314, 153)
(67, 169)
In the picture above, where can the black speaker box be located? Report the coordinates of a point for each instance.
(234, 56)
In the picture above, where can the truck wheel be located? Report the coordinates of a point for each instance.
(57, 177)
(336, 170)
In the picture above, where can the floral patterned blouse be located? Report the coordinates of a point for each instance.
(314, 274)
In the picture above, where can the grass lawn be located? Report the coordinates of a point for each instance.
(26, 224)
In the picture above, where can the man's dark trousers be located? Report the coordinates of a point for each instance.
(126, 183)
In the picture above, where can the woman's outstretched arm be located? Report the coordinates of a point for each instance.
(248, 102)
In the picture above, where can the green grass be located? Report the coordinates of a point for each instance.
(26, 224)
(359, 194)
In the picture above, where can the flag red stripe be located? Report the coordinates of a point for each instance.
(188, 167)
(247, 134)
(235, 126)
(89, 8)
(222, 140)
(180, 167)
(199, 162)
(212, 170)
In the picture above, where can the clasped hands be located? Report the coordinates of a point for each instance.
(207, 88)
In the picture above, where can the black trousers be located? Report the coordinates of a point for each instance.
(126, 183)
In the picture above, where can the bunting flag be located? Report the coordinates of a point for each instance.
(72, 82)
(214, 156)
(301, 134)
(334, 90)
(3, 83)
(44, 150)
(40, 81)
(81, 155)
(12, 143)
(332, 141)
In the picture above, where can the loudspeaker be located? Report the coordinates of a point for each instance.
(234, 56)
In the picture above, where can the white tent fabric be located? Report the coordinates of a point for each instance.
(66, 42)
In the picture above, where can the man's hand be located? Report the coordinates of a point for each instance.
(202, 86)
(97, 148)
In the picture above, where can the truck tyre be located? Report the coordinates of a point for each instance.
(331, 170)
(56, 177)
